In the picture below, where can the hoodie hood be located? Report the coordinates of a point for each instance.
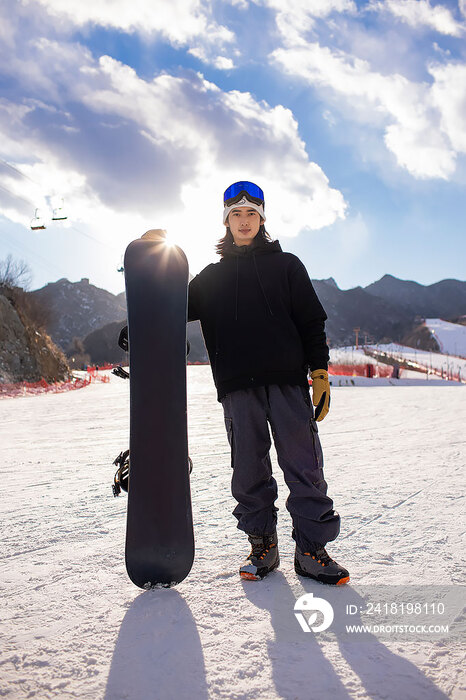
(257, 247)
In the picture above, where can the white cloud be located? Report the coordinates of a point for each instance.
(178, 20)
(181, 22)
(223, 63)
(226, 134)
(444, 53)
(420, 13)
(449, 96)
(129, 154)
(417, 127)
(219, 62)
(296, 17)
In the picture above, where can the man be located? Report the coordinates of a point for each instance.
(264, 328)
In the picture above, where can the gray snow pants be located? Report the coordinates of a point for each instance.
(290, 413)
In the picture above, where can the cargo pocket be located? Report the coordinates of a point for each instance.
(320, 482)
(229, 428)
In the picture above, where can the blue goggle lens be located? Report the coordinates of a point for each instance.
(238, 187)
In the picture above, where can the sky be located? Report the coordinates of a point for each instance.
(134, 115)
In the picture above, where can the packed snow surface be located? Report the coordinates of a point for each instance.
(350, 355)
(426, 362)
(74, 626)
(424, 359)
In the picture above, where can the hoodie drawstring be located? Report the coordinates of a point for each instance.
(237, 251)
(236, 303)
(260, 283)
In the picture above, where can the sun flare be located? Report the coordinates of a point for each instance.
(170, 240)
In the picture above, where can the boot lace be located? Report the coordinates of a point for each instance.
(321, 556)
(261, 545)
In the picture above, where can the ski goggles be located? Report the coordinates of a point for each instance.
(249, 189)
(237, 196)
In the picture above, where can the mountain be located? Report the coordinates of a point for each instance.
(102, 344)
(77, 308)
(384, 311)
(329, 281)
(422, 338)
(378, 319)
(445, 299)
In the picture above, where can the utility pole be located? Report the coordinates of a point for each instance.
(356, 330)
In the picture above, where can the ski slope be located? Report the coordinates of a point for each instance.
(73, 625)
(424, 359)
(350, 355)
(451, 337)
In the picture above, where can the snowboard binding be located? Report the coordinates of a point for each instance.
(120, 372)
(121, 478)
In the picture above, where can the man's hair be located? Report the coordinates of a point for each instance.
(226, 243)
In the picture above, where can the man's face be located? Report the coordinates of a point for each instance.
(244, 225)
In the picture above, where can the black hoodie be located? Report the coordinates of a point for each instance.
(261, 319)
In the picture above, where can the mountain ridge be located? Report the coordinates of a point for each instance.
(386, 310)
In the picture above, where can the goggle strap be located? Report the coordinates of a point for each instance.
(239, 197)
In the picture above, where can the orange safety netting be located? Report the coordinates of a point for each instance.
(366, 370)
(93, 373)
(41, 387)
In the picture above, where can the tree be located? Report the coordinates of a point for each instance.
(14, 273)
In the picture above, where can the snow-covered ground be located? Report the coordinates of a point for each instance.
(408, 378)
(424, 359)
(73, 625)
(350, 355)
(451, 337)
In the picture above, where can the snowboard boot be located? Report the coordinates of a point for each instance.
(263, 557)
(318, 565)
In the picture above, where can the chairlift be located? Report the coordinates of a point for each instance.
(37, 222)
(58, 213)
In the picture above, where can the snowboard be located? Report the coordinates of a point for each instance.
(159, 547)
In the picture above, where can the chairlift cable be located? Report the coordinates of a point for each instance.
(29, 202)
(22, 249)
(92, 238)
(12, 167)
(2, 160)
(18, 196)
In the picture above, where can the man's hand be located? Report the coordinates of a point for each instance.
(123, 339)
(320, 393)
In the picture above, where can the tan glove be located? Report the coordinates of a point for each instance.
(320, 393)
